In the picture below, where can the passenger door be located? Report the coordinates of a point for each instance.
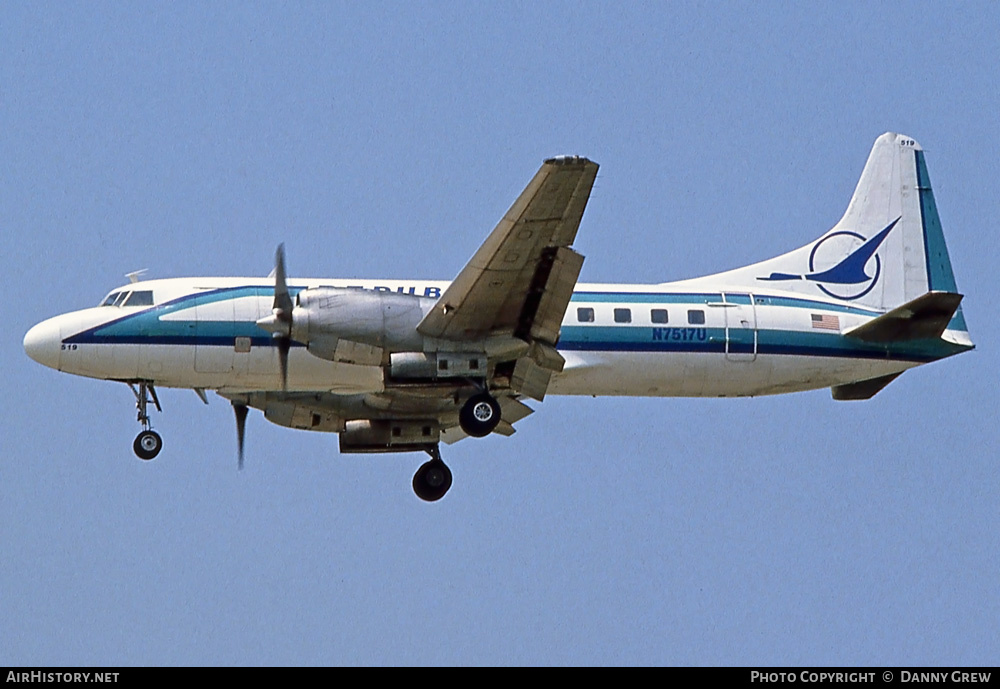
(741, 326)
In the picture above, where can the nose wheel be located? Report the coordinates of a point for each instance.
(433, 478)
(148, 443)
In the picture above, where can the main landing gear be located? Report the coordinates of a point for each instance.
(478, 417)
(148, 443)
(433, 478)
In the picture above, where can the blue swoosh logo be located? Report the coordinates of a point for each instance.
(850, 271)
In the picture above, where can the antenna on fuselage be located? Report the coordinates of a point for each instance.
(134, 276)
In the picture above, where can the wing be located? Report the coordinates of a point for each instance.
(508, 303)
(520, 280)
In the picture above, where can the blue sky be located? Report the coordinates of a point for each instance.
(386, 140)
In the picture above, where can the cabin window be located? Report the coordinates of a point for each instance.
(585, 315)
(696, 317)
(658, 315)
(140, 298)
(623, 315)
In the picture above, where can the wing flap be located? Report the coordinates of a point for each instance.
(530, 379)
(542, 314)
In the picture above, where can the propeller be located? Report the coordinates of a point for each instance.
(241, 428)
(279, 323)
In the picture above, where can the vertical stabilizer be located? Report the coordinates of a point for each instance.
(886, 250)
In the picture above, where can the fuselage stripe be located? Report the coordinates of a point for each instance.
(148, 327)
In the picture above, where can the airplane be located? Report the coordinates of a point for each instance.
(405, 365)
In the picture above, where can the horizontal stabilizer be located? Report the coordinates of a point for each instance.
(863, 389)
(925, 317)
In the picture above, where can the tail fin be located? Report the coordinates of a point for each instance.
(887, 250)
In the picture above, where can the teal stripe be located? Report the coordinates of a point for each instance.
(815, 305)
(148, 323)
(940, 276)
(151, 326)
(147, 326)
(647, 297)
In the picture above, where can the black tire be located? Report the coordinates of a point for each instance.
(147, 445)
(432, 480)
(479, 415)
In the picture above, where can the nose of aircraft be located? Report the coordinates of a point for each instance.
(42, 343)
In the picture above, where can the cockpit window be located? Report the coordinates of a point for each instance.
(140, 298)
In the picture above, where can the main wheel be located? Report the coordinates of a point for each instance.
(432, 480)
(147, 445)
(479, 415)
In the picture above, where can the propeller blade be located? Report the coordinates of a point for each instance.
(241, 427)
(284, 344)
(282, 301)
(282, 311)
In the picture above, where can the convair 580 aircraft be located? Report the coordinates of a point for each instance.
(403, 365)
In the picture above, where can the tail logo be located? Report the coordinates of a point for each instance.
(849, 276)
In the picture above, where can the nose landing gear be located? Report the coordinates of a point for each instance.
(148, 443)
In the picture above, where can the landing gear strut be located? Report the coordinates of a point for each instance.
(433, 478)
(148, 443)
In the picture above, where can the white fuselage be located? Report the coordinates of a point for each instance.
(675, 339)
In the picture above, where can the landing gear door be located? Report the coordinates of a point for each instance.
(741, 326)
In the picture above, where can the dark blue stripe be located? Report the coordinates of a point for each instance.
(775, 349)
(781, 342)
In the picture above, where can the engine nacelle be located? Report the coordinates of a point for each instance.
(292, 414)
(328, 318)
(416, 365)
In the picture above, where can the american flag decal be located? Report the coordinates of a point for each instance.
(825, 322)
